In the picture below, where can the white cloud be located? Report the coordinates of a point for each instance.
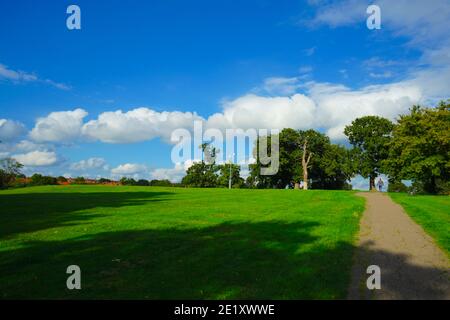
(36, 158)
(383, 75)
(10, 130)
(337, 106)
(18, 76)
(90, 164)
(252, 111)
(137, 125)
(174, 174)
(61, 126)
(129, 169)
(281, 86)
(422, 21)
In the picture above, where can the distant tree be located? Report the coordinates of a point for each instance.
(40, 180)
(224, 176)
(333, 168)
(397, 186)
(9, 170)
(308, 156)
(420, 149)
(128, 181)
(104, 180)
(79, 180)
(201, 175)
(61, 179)
(142, 182)
(161, 183)
(369, 136)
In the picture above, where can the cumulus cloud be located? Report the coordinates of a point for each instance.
(36, 158)
(137, 125)
(61, 126)
(10, 130)
(337, 106)
(129, 169)
(90, 164)
(252, 111)
(174, 174)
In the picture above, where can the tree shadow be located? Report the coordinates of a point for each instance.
(401, 278)
(247, 260)
(30, 212)
(263, 260)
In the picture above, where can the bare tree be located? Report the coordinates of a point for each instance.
(306, 157)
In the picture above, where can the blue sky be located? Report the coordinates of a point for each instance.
(303, 64)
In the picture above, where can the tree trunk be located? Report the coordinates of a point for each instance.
(372, 183)
(305, 162)
(305, 178)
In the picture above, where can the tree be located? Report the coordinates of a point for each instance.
(369, 136)
(142, 183)
(333, 169)
(307, 155)
(9, 170)
(79, 180)
(40, 180)
(161, 183)
(128, 181)
(420, 148)
(224, 175)
(203, 174)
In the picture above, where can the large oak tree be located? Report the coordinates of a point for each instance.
(369, 136)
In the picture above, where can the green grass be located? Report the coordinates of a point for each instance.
(431, 212)
(168, 243)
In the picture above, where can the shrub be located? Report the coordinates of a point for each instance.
(40, 180)
(397, 186)
(79, 180)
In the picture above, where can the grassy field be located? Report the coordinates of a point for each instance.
(431, 212)
(167, 243)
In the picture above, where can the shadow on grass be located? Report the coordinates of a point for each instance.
(400, 277)
(243, 260)
(263, 260)
(31, 212)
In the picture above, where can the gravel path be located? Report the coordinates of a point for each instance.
(412, 266)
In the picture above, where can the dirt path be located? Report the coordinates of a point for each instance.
(412, 266)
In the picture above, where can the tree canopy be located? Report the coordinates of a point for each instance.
(420, 148)
(369, 136)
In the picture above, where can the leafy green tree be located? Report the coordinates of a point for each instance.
(142, 183)
(104, 180)
(308, 156)
(40, 180)
(369, 136)
(62, 179)
(420, 148)
(224, 175)
(201, 175)
(161, 183)
(9, 170)
(333, 169)
(128, 181)
(79, 180)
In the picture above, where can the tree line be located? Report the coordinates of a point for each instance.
(415, 147)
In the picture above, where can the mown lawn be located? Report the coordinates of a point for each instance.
(167, 243)
(431, 212)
